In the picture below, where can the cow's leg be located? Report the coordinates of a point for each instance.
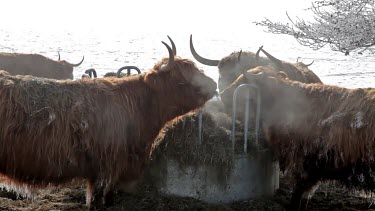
(89, 190)
(299, 200)
(108, 195)
(94, 195)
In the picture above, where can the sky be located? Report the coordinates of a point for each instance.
(142, 15)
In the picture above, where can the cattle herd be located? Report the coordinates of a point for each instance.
(54, 129)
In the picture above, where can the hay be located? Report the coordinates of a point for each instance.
(179, 141)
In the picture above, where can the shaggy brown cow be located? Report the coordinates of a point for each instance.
(318, 132)
(36, 65)
(279, 68)
(233, 65)
(51, 131)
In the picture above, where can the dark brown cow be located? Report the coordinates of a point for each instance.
(51, 131)
(318, 132)
(296, 72)
(36, 65)
(233, 65)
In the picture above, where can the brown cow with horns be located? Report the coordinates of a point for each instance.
(101, 130)
(232, 66)
(301, 74)
(37, 65)
(318, 132)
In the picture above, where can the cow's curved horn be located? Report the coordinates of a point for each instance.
(310, 63)
(239, 55)
(200, 59)
(173, 46)
(273, 59)
(257, 55)
(91, 72)
(76, 65)
(59, 56)
(171, 59)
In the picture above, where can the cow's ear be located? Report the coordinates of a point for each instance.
(282, 74)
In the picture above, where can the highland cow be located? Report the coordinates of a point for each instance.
(279, 68)
(36, 65)
(100, 130)
(235, 64)
(318, 132)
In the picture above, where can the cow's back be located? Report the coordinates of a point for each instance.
(32, 64)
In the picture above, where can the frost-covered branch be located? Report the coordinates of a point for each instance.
(345, 25)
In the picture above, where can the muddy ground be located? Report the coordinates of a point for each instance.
(329, 196)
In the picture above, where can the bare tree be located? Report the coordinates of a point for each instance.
(346, 25)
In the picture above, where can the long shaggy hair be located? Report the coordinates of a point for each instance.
(318, 132)
(101, 130)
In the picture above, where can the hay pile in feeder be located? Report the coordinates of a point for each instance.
(179, 140)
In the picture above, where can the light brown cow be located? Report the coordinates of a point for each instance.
(101, 130)
(318, 132)
(36, 65)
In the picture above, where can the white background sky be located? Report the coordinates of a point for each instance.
(142, 15)
(89, 27)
